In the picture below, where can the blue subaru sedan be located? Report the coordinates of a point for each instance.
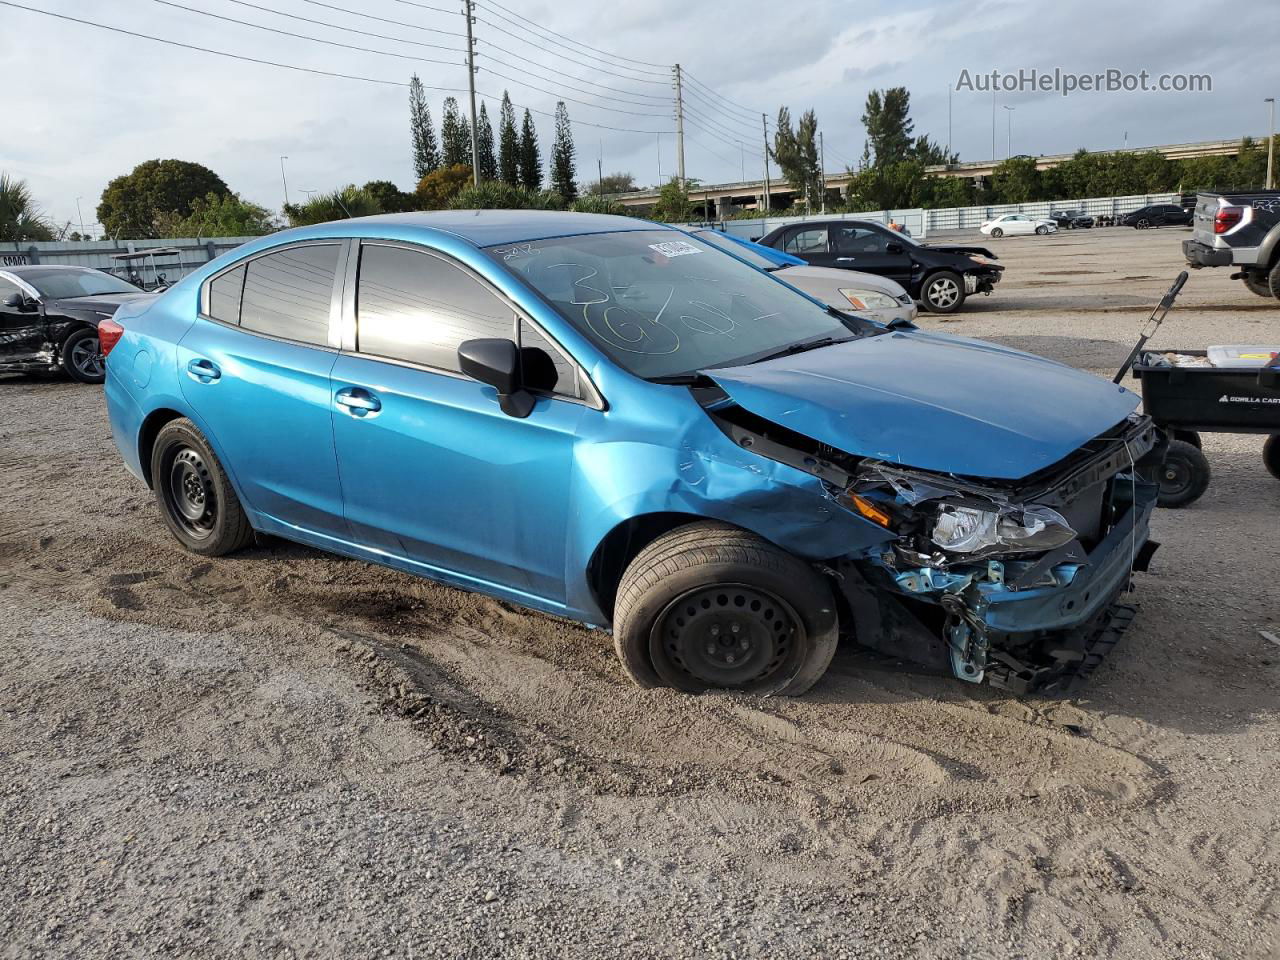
(613, 421)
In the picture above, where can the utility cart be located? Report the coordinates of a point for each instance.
(1228, 389)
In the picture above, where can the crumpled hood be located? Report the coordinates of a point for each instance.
(938, 403)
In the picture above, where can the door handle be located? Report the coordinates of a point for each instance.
(844, 259)
(203, 371)
(357, 401)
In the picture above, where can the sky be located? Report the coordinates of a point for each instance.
(83, 105)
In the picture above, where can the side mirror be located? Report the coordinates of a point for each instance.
(14, 301)
(497, 362)
(893, 246)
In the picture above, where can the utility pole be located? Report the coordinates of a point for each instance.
(948, 124)
(822, 170)
(80, 216)
(658, 137)
(764, 125)
(471, 84)
(1271, 140)
(742, 159)
(600, 169)
(284, 181)
(679, 127)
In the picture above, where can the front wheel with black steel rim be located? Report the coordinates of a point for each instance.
(1271, 455)
(1185, 475)
(196, 499)
(943, 292)
(82, 357)
(711, 606)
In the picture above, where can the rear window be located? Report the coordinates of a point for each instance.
(288, 294)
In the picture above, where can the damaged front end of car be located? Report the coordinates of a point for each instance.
(1012, 582)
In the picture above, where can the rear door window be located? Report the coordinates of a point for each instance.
(288, 294)
(224, 296)
(418, 307)
(807, 240)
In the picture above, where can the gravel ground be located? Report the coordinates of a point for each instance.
(289, 754)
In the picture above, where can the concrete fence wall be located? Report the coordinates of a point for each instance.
(194, 252)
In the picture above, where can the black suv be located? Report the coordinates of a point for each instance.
(939, 277)
(1072, 219)
(1157, 215)
(49, 318)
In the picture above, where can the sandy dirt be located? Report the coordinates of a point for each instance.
(288, 754)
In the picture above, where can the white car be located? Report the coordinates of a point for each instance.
(1014, 224)
(865, 294)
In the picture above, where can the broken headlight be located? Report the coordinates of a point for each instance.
(968, 530)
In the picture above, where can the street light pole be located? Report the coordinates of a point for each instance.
(764, 125)
(1271, 140)
(284, 181)
(80, 216)
(993, 127)
(822, 170)
(1010, 115)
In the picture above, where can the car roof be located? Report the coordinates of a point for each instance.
(42, 267)
(487, 227)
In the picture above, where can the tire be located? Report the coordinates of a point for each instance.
(1184, 476)
(1271, 455)
(731, 580)
(1042, 230)
(997, 233)
(82, 357)
(1273, 279)
(1258, 281)
(1142, 224)
(196, 498)
(1188, 436)
(942, 292)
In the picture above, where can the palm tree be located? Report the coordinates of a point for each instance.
(20, 218)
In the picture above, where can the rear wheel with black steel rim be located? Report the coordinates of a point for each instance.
(711, 606)
(82, 357)
(1271, 455)
(1184, 476)
(196, 499)
(943, 292)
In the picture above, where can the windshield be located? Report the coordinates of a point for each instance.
(664, 304)
(61, 284)
(721, 242)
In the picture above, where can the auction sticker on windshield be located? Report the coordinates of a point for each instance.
(674, 248)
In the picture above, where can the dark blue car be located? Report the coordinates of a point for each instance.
(610, 420)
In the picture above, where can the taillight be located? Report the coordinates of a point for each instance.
(109, 334)
(1226, 218)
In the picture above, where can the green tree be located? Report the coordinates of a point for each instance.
(437, 188)
(20, 218)
(674, 205)
(350, 201)
(391, 199)
(563, 169)
(508, 144)
(530, 155)
(796, 153)
(487, 158)
(455, 137)
(497, 195)
(426, 154)
(223, 215)
(131, 203)
(1016, 180)
(887, 117)
(595, 203)
(611, 183)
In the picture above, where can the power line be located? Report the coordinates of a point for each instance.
(398, 23)
(578, 53)
(727, 119)
(720, 132)
(632, 93)
(525, 83)
(719, 156)
(427, 6)
(548, 113)
(302, 36)
(541, 29)
(338, 26)
(733, 103)
(219, 53)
